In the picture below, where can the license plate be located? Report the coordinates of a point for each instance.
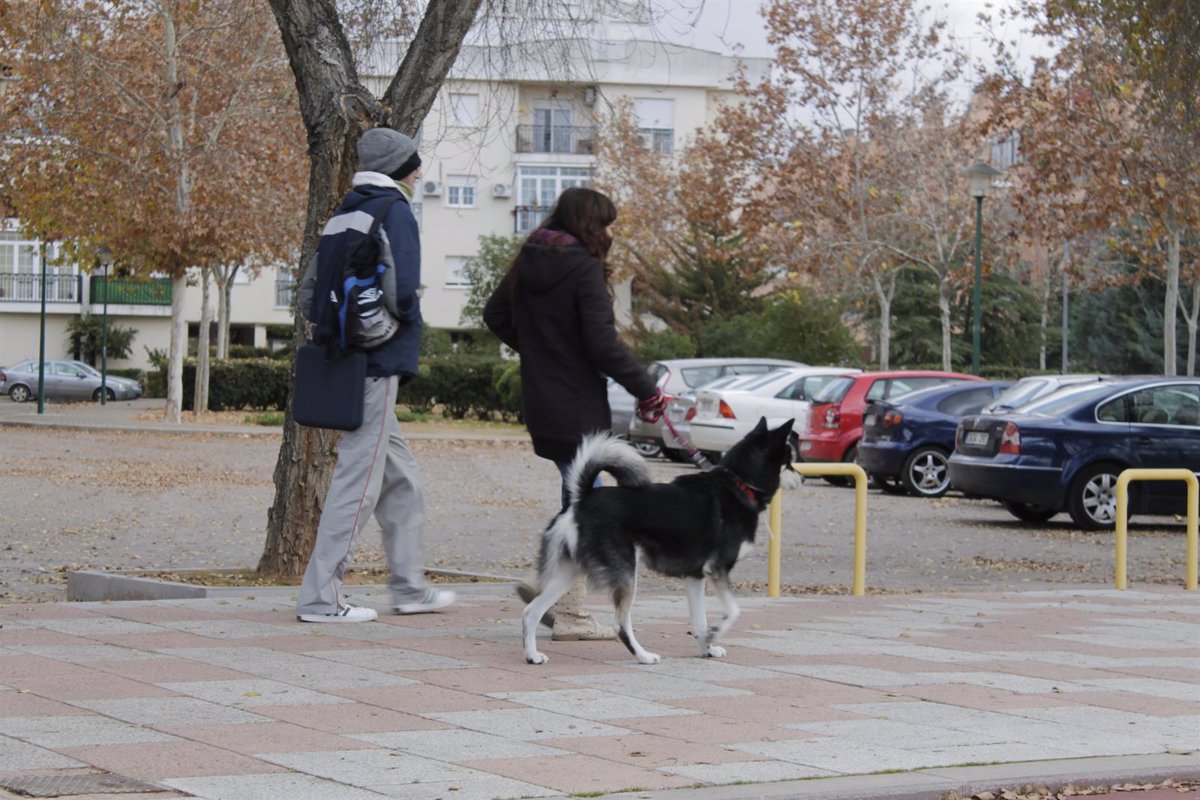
(806, 446)
(976, 438)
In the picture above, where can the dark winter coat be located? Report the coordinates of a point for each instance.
(400, 251)
(559, 317)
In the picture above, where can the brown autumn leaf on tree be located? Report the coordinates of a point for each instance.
(689, 228)
(165, 131)
(1099, 152)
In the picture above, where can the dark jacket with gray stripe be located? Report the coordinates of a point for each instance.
(399, 250)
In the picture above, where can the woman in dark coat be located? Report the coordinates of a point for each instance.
(554, 307)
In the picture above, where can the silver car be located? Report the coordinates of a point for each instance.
(65, 380)
(676, 376)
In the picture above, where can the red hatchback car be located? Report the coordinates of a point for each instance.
(835, 424)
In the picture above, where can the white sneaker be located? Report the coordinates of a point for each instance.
(343, 614)
(432, 600)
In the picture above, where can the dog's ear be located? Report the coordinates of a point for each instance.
(786, 427)
(761, 427)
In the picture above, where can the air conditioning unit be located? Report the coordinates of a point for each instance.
(502, 190)
(431, 188)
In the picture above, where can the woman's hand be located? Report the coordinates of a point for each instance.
(652, 408)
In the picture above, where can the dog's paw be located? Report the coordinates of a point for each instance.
(649, 658)
(714, 651)
(536, 658)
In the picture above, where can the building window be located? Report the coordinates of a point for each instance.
(21, 270)
(460, 191)
(455, 276)
(539, 187)
(464, 110)
(285, 289)
(656, 123)
(1006, 151)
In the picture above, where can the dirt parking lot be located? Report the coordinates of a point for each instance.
(131, 500)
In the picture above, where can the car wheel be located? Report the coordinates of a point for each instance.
(926, 473)
(712, 455)
(648, 449)
(19, 393)
(889, 484)
(843, 480)
(1093, 503)
(108, 392)
(1028, 511)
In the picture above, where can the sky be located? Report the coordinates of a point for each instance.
(722, 24)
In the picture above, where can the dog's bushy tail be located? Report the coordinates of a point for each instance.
(603, 452)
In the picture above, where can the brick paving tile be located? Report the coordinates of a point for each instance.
(579, 774)
(152, 761)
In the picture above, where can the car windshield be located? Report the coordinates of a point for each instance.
(759, 381)
(833, 391)
(1020, 393)
(1059, 402)
(86, 368)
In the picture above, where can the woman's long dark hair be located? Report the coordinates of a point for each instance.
(586, 215)
(583, 213)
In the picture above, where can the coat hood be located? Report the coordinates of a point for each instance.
(549, 257)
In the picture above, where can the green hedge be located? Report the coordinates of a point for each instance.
(483, 387)
(257, 384)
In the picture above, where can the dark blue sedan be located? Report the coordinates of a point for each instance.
(907, 440)
(1064, 453)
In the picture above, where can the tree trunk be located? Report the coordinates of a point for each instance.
(1192, 317)
(885, 320)
(178, 348)
(336, 108)
(200, 390)
(224, 276)
(1044, 322)
(1172, 300)
(944, 312)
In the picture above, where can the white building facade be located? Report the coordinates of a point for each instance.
(507, 134)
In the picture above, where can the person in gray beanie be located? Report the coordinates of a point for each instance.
(376, 473)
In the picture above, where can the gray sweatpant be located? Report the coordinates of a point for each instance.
(376, 474)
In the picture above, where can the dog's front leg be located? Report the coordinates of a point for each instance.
(732, 610)
(555, 585)
(695, 594)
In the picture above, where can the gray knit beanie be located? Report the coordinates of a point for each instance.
(384, 150)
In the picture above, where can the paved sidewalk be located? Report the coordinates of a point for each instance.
(233, 699)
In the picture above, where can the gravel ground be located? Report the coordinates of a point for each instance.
(131, 500)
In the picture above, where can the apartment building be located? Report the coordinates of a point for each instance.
(513, 126)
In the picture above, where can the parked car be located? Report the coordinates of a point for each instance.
(1065, 452)
(1032, 387)
(621, 403)
(682, 409)
(676, 376)
(907, 441)
(725, 414)
(65, 380)
(835, 423)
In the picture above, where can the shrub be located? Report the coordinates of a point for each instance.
(663, 344)
(462, 384)
(257, 384)
(506, 377)
(246, 351)
(417, 394)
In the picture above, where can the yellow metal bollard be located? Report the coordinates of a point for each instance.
(775, 522)
(1193, 516)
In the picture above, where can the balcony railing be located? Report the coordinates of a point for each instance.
(556, 139)
(658, 140)
(25, 287)
(125, 291)
(529, 217)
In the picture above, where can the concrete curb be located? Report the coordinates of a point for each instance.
(949, 781)
(89, 586)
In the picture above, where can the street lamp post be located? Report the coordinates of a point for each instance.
(979, 177)
(42, 334)
(104, 258)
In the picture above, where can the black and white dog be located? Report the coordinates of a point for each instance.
(694, 527)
